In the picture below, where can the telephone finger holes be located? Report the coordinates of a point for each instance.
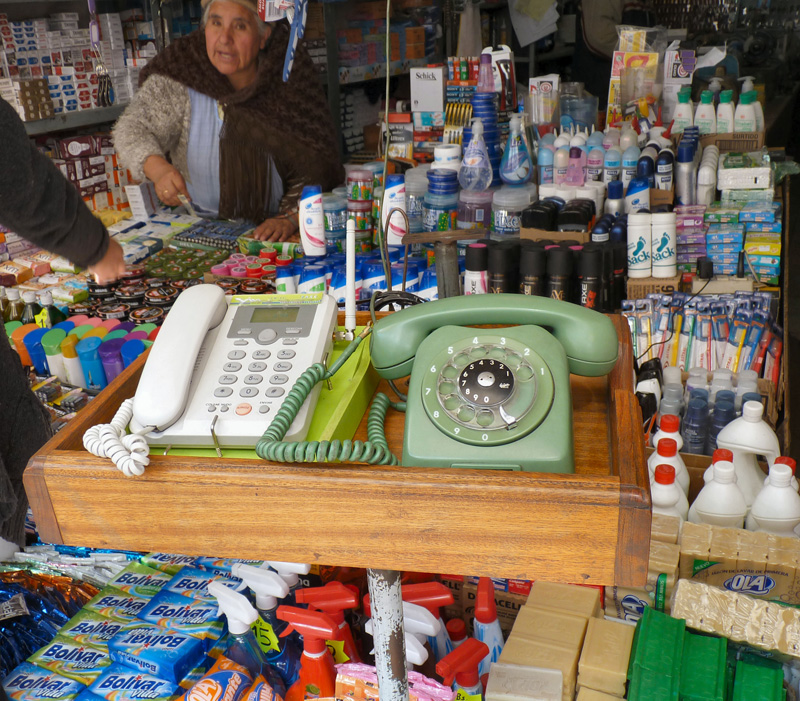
(524, 372)
(461, 359)
(449, 372)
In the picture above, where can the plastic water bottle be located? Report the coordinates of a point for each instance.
(695, 427)
(667, 454)
(720, 501)
(475, 173)
(776, 509)
(723, 414)
(747, 437)
(668, 498)
(722, 379)
(668, 427)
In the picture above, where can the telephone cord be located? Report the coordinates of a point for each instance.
(129, 452)
(375, 450)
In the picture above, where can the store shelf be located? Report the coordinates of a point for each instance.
(350, 75)
(591, 527)
(74, 120)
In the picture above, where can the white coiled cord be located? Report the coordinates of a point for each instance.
(129, 452)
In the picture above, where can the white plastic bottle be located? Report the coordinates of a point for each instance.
(785, 460)
(725, 112)
(682, 117)
(311, 221)
(668, 498)
(705, 116)
(744, 118)
(720, 455)
(560, 165)
(720, 501)
(667, 454)
(748, 86)
(776, 509)
(747, 437)
(668, 427)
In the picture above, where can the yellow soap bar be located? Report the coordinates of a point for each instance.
(603, 663)
(583, 601)
(586, 694)
(695, 541)
(665, 528)
(535, 653)
(550, 625)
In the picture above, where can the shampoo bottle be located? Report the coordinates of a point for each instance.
(475, 173)
(242, 646)
(720, 501)
(317, 671)
(459, 668)
(515, 166)
(705, 116)
(486, 626)
(776, 509)
(334, 598)
(725, 112)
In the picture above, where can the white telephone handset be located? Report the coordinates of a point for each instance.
(166, 378)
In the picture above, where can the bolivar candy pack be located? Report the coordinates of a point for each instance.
(140, 580)
(89, 628)
(186, 615)
(27, 682)
(116, 604)
(120, 683)
(150, 648)
(64, 656)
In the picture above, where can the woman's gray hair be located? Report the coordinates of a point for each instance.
(261, 25)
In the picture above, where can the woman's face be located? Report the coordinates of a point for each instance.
(233, 42)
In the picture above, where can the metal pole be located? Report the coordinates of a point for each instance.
(388, 634)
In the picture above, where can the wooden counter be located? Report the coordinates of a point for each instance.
(590, 527)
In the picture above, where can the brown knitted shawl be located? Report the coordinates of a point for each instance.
(290, 122)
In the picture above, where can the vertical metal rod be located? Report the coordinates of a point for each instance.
(388, 634)
(447, 269)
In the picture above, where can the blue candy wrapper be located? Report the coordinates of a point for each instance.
(193, 582)
(31, 683)
(116, 604)
(90, 628)
(120, 683)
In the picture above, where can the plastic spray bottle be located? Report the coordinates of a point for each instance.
(268, 587)
(333, 599)
(515, 167)
(317, 672)
(459, 668)
(290, 572)
(242, 646)
(486, 626)
(432, 595)
(475, 173)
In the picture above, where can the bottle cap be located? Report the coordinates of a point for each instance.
(706, 97)
(456, 629)
(667, 447)
(780, 475)
(685, 152)
(752, 411)
(500, 259)
(533, 261)
(726, 96)
(268, 586)
(559, 262)
(394, 179)
(28, 297)
(477, 256)
(615, 190)
(333, 599)
(724, 412)
(786, 460)
(463, 663)
(665, 474)
(575, 152)
(590, 262)
(669, 423)
(724, 471)
(315, 626)
(485, 605)
(238, 610)
(722, 454)
(431, 595)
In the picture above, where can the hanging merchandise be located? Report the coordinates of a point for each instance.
(475, 173)
(515, 167)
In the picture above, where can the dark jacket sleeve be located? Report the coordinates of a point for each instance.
(39, 203)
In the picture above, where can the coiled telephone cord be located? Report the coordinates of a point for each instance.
(129, 452)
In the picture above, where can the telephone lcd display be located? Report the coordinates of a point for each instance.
(274, 315)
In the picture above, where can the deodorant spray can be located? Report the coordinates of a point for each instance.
(476, 270)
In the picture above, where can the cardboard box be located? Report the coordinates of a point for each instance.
(427, 88)
(743, 141)
(508, 606)
(638, 288)
(542, 235)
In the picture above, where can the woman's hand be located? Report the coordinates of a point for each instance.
(276, 229)
(111, 266)
(167, 179)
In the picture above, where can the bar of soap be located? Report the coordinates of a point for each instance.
(584, 601)
(511, 682)
(665, 528)
(695, 542)
(586, 694)
(549, 625)
(535, 653)
(603, 663)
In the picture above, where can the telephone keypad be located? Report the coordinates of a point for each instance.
(279, 379)
(232, 367)
(248, 392)
(253, 379)
(274, 392)
(223, 392)
(263, 409)
(227, 380)
(261, 354)
(257, 366)
(286, 354)
(241, 342)
(282, 367)
(267, 336)
(289, 341)
(236, 354)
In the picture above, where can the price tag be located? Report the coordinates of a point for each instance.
(336, 648)
(462, 695)
(267, 640)
(41, 319)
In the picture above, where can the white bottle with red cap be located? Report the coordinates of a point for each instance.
(776, 509)
(667, 454)
(717, 455)
(669, 427)
(720, 502)
(668, 498)
(785, 460)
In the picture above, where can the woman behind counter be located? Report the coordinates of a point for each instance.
(213, 120)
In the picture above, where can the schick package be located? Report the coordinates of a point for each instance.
(27, 682)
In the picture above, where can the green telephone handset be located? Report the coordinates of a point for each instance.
(504, 389)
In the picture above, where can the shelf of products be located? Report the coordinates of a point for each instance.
(75, 120)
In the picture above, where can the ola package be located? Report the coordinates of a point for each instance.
(89, 628)
(185, 615)
(63, 655)
(226, 680)
(27, 682)
(121, 683)
(193, 582)
(116, 604)
(168, 563)
(155, 650)
(140, 580)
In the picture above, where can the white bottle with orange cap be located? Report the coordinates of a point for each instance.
(668, 498)
(667, 453)
(720, 502)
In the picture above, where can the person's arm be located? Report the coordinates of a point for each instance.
(40, 204)
(600, 19)
(283, 226)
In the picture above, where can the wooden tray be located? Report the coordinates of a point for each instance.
(591, 527)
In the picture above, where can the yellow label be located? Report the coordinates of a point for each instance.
(336, 648)
(41, 319)
(462, 695)
(266, 637)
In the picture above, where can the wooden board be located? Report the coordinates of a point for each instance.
(590, 527)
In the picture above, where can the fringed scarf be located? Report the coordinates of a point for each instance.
(290, 122)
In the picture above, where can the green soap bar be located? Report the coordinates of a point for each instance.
(703, 671)
(658, 643)
(652, 685)
(755, 682)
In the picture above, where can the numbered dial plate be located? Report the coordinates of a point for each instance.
(487, 390)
